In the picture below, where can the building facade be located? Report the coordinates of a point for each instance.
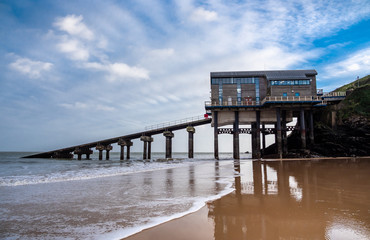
(257, 98)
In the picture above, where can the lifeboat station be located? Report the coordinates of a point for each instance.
(242, 102)
(260, 98)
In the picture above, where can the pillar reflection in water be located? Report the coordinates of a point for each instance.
(191, 180)
(169, 182)
(217, 176)
(314, 200)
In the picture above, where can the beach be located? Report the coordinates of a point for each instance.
(199, 198)
(319, 199)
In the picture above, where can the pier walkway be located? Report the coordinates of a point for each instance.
(125, 140)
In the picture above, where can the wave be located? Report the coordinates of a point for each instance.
(89, 173)
(198, 203)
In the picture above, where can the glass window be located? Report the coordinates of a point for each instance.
(290, 82)
(297, 94)
(285, 94)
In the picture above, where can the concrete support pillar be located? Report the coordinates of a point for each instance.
(258, 134)
(146, 150)
(312, 138)
(100, 148)
(215, 133)
(81, 151)
(303, 129)
(284, 133)
(236, 150)
(122, 152)
(123, 143)
(107, 149)
(169, 135)
(128, 151)
(278, 133)
(263, 139)
(150, 148)
(254, 142)
(191, 131)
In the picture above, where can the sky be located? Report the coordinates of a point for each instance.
(73, 72)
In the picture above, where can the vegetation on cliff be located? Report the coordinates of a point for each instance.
(340, 130)
(356, 104)
(349, 133)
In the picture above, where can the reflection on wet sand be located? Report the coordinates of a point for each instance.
(296, 200)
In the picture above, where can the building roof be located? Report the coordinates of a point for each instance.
(270, 75)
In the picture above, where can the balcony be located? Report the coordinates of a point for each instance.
(313, 100)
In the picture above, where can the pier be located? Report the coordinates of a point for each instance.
(253, 98)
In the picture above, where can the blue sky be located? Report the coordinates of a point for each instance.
(79, 71)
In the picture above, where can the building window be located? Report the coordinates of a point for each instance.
(285, 94)
(220, 93)
(217, 81)
(257, 81)
(289, 82)
(239, 92)
(297, 94)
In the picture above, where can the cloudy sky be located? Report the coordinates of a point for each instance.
(80, 71)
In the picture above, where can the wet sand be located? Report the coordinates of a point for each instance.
(320, 199)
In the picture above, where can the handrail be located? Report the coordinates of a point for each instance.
(267, 99)
(293, 98)
(175, 122)
(334, 94)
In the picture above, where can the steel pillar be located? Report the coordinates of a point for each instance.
(191, 131)
(215, 134)
(263, 139)
(312, 138)
(303, 129)
(253, 137)
(236, 150)
(169, 135)
(284, 133)
(258, 134)
(278, 133)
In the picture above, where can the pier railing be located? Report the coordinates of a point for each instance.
(292, 99)
(176, 122)
(232, 103)
(334, 94)
(267, 99)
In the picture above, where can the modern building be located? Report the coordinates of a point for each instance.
(258, 98)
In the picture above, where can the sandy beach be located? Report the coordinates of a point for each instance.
(300, 200)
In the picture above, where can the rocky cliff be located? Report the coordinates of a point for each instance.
(346, 133)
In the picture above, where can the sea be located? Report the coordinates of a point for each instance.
(107, 199)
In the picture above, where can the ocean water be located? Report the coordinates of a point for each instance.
(92, 199)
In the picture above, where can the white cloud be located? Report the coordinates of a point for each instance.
(90, 106)
(200, 15)
(76, 105)
(73, 25)
(33, 69)
(118, 71)
(162, 53)
(74, 49)
(355, 64)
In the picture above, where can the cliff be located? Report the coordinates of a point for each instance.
(339, 130)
